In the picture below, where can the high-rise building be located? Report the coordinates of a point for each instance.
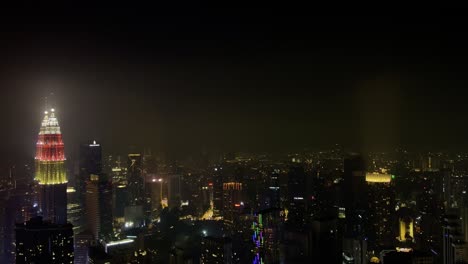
(274, 196)
(50, 170)
(44, 242)
(232, 199)
(17, 205)
(120, 200)
(99, 206)
(267, 235)
(75, 210)
(154, 186)
(355, 199)
(447, 188)
(217, 180)
(134, 211)
(297, 189)
(174, 190)
(455, 248)
(356, 205)
(90, 163)
(135, 180)
(83, 243)
(381, 206)
(326, 239)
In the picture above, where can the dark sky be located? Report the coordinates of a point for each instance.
(180, 79)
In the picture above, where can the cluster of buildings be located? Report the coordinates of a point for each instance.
(321, 207)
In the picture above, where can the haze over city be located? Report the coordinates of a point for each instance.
(194, 134)
(236, 79)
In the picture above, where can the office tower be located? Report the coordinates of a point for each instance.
(355, 198)
(90, 162)
(455, 248)
(447, 188)
(75, 210)
(232, 198)
(118, 172)
(50, 170)
(135, 180)
(134, 211)
(155, 187)
(120, 200)
(174, 190)
(149, 169)
(99, 206)
(83, 242)
(326, 239)
(44, 242)
(381, 207)
(356, 205)
(216, 250)
(134, 216)
(217, 190)
(150, 165)
(297, 188)
(17, 205)
(267, 230)
(274, 196)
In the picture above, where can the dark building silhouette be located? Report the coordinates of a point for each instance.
(99, 206)
(216, 250)
(90, 159)
(355, 199)
(135, 180)
(356, 209)
(90, 163)
(44, 242)
(274, 195)
(326, 239)
(297, 188)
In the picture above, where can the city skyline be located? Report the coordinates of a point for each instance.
(202, 135)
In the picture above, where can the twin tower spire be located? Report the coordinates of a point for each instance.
(50, 157)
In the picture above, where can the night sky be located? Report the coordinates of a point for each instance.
(186, 79)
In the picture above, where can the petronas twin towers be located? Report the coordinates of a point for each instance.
(50, 170)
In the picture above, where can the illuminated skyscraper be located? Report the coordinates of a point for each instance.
(381, 206)
(50, 170)
(232, 199)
